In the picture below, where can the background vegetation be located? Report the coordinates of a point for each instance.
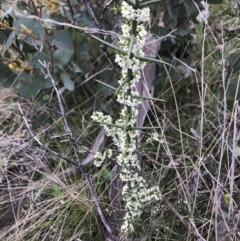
(195, 164)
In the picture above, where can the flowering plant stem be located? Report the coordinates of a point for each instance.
(132, 38)
(136, 191)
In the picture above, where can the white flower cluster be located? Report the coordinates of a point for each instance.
(125, 63)
(154, 137)
(133, 64)
(136, 192)
(139, 40)
(100, 157)
(105, 120)
(129, 13)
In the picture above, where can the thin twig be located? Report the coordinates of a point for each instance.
(98, 24)
(104, 10)
(178, 215)
(41, 144)
(74, 145)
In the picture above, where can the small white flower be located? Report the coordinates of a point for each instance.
(127, 11)
(142, 15)
(126, 29)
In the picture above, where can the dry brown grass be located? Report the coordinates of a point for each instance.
(40, 199)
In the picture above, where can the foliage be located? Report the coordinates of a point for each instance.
(183, 162)
(33, 40)
(68, 50)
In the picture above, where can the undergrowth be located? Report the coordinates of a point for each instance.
(194, 163)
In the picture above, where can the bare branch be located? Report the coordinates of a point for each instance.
(74, 145)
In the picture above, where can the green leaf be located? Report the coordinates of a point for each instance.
(7, 77)
(167, 44)
(47, 83)
(175, 75)
(160, 31)
(58, 68)
(62, 56)
(9, 41)
(30, 91)
(41, 119)
(183, 31)
(233, 93)
(56, 17)
(26, 77)
(233, 89)
(45, 97)
(61, 90)
(232, 58)
(68, 15)
(83, 49)
(3, 36)
(40, 78)
(68, 83)
(109, 109)
(31, 27)
(33, 41)
(191, 7)
(87, 20)
(76, 68)
(159, 78)
(35, 60)
(171, 15)
(63, 39)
